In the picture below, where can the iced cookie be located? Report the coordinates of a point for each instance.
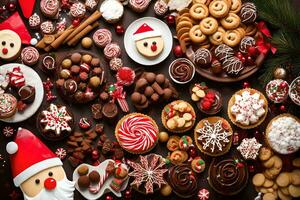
(148, 41)
(10, 45)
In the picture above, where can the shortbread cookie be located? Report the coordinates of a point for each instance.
(282, 196)
(269, 196)
(265, 153)
(258, 179)
(199, 11)
(232, 38)
(209, 25)
(217, 37)
(294, 191)
(296, 162)
(219, 8)
(236, 6)
(283, 179)
(196, 34)
(231, 21)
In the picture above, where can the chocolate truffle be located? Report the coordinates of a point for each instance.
(141, 83)
(75, 69)
(70, 86)
(96, 111)
(65, 73)
(86, 42)
(233, 66)
(216, 67)
(149, 91)
(76, 58)
(79, 97)
(203, 57)
(160, 79)
(104, 96)
(87, 58)
(27, 93)
(83, 170)
(110, 110)
(150, 77)
(246, 42)
(66, 63)
(136, 97)
(83, 182)
(94, 176)
(95, 62)
(248, 13)
(167, 93)
(94, 82)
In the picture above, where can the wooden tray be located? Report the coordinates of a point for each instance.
(224, 78)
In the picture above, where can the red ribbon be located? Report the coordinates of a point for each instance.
(262, 44)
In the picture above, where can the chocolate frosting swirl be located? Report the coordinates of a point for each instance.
(226, 177)
(183, 181)
(30, 55)
(49, 7)
(102, 37)
(182, 70)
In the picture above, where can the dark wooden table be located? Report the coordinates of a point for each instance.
(227, 90)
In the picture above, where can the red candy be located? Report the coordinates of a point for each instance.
(16, 77)
(84, 67)
(203, 194)
(84, 123)
(61, 153)
(206, 105)
(8, 131)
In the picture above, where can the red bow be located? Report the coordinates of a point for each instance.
(262, 44)
(120, 96)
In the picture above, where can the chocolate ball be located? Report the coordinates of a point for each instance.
(97, 70)
(167, 93)
(83, 170)
(66, 63)
(94, 176)
(83, 182)
(141, 84)
(86, 42)
(87, 58)
(75, 69)
(166, 83)
(82, 86)
(76, 58)
(160, 79)
(65, 73)
(143, 99)
(79, 97)
(136, 97)
(94, 81)
(95, 62)
(150, 77)
(216, 67)
(70, 86)
(149, 91)
(104, 96)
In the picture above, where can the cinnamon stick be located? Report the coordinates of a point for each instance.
(95, 16)
(85, 31)
(58, 41)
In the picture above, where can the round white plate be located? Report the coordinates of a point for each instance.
(156, 24)
(33, 79)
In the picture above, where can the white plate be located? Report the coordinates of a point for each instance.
(105, 188)
(156, 24)
(33, 79)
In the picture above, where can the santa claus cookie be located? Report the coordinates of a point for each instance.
(149, 42)
(10, 45)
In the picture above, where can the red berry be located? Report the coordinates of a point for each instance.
(171, 19)
(282, 108)
(177, 51)
(119, 29)
(211, 95)
(250, 61)
(246, 85)
(206, 105)
(252, 51)
(76, 22)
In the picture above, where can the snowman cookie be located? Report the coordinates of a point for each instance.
(10, 45)
(149, 42)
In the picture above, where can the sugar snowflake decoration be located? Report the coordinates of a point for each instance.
(249, 148)
(149, 171)
(56, 119)
(213, 135)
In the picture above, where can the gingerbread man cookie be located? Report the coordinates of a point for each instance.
(10, 45)
(149, 42)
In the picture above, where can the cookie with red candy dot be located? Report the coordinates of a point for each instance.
(203, 194)
(8, 131)
(61, 153)
(84, 123)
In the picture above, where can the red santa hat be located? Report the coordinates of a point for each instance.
(145, 31)
(29, 156)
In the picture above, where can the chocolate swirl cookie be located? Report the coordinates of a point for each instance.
(182, 70)
(227, 177)
(183, 181)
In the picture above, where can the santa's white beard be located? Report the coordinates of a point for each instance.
(64, 191)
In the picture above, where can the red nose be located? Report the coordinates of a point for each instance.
(4, 50)
(153, 47)
(50, 183)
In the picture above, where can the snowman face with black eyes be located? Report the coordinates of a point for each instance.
(149, 42)
(10, 45)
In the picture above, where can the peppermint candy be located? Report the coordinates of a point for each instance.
(203, 194)
(16, 77)
(61, 153)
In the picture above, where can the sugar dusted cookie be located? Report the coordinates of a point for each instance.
(148, 41)
(10, 45)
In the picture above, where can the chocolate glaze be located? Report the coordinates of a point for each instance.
(181, 70)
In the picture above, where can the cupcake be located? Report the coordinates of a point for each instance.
(277, 90)
(294, 91)
(49, 8)
(247, 108)
(213, 136)
(8, 105)
(283, 134)
(183, 181)
(228, 176)
(112, 10)
(56, 122)
(209, 101)
(182, 70)
(30, 56)
(178, 116)
(148, 173)
(139, 6)
(137, 133)
(102, 37)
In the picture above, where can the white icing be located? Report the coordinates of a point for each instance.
(248, 108)
(284, 135)
(111, 10)
(249, 148)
